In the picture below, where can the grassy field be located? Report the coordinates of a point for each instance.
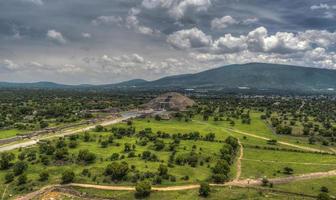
(256, 163)
(224, 193)
(10, 133)
(312, 187)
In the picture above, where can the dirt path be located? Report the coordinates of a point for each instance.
(241, 154)
(299, 163)
(240, 183)
(280, 142)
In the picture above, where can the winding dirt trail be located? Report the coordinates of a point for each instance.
(239, 183)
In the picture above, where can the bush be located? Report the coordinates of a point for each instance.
(22, 179)
(143, 189)
(44, 176)
(19, 167)
(117, 171)
(163, 170)
(5, 160)
(86, 156)
(9, 177)
(324, 189)
(204, 189)
(323, 196)
(68, 177)
(99, 128)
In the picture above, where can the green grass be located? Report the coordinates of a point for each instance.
(10, 133)
(259, 165)
(250, 168)
(311, 187)
(224, 193)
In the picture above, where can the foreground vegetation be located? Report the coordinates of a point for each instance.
(200, 145)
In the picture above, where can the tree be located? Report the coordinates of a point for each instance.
(127, 147)
(210, 137)
(5, 160)
(163, 170)
(86, 137)
(19, 167)
(143, 189)
(324, 189)
(99, 128)
(117, 171)
(86, 156)
(9, 177)
(43, 124)
(44, 176)
(288, 170)
(323, 196)
(204, 189)
(159, 145)
(68, 177)
(22, 179)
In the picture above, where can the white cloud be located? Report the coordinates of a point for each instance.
(229, 43)
(86, 35)
(177, 8)
(36, 2)
(8, 65)
(250, 20)
(224, 22)
(189, 38)
(321, 6)
(107, 20)
(56, 36)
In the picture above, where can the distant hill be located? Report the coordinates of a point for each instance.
(37, 85)
(260, 76)
(257, 76)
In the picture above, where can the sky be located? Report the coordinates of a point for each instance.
(108, 41)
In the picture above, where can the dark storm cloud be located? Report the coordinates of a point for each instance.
(99, 39)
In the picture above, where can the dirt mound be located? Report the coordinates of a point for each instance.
(170, 101)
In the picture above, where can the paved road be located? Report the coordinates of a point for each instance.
(26, 143)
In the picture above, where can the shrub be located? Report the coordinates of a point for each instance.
(143, 189)
(68, 177)
(19, 167)
(117, 171)
(44, 176)
(86, 156)
(204, 189)
(22, 179)
(9, 177)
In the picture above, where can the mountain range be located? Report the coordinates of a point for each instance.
(259, 76)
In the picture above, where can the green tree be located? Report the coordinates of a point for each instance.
(143, 189)
(5, 160)
(163, 170)
(68, 176)
(22, 179)
(43, 176)
(204, 189)
(9, 177)
(116, 170)
(19, 167)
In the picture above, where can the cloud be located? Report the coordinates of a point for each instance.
(56, 36)
(8, 65)
(177, 8)
(36, 2)
(189, 38)
(224, 22)
(107, 20)
(86, 35)
(322, 6)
